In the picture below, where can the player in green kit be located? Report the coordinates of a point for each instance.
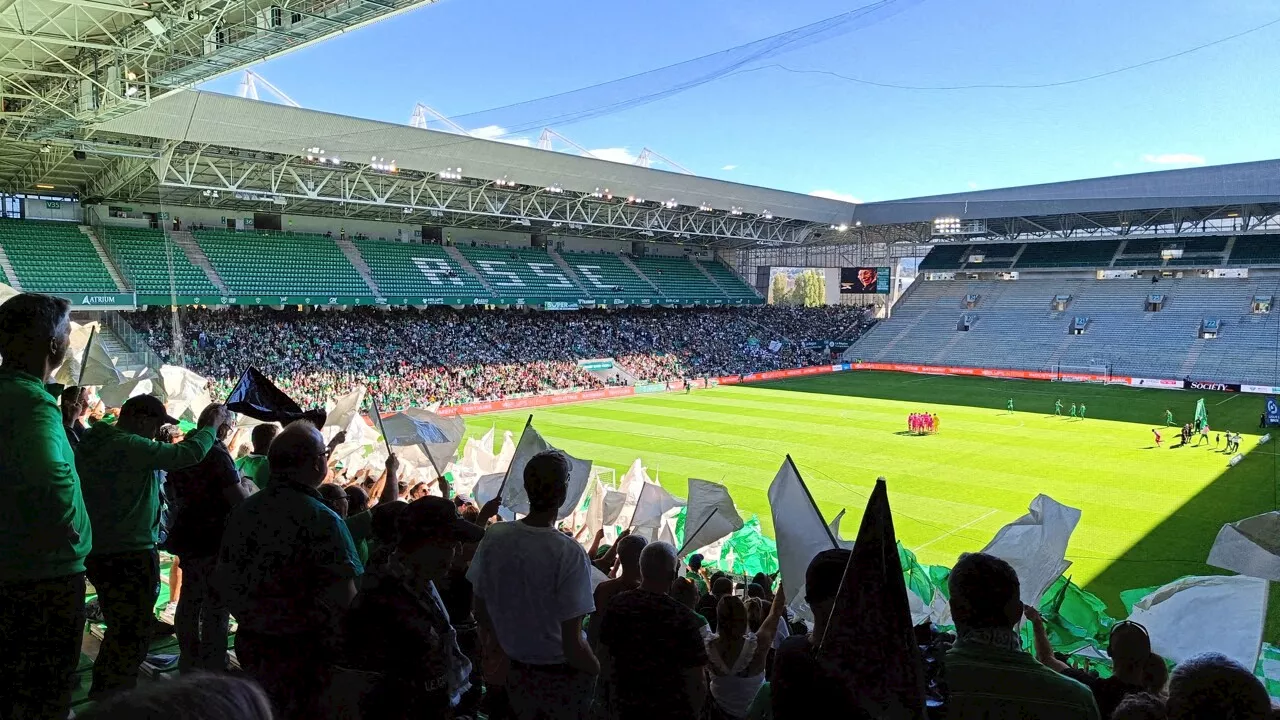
(1057, 407)
(1081, 411)
(1009, 405)
(1168, 418)
(1073, 409)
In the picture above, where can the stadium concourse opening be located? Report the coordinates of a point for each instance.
(1150, 514)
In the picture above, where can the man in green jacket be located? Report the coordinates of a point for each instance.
(44, 529)
(117, 466)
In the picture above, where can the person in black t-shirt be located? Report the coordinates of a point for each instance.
(1135, 668)
(656, 645)
(720, 586)
(203, 497)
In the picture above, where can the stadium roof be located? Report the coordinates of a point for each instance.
(1238, 184)
(202, 117)
(68, 63)
(206, 149)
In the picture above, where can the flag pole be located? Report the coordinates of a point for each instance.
(84, 359)
(685, 546)
(377, 414)
(527, 424)
(834, 544)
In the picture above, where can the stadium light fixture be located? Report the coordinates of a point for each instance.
(735, 210)
(671, 204)
(44, 186)
(647, 233)
(946, 226)
(705, 207)
(131, 91)
(554, 189)
(451, 174)
(840, 228)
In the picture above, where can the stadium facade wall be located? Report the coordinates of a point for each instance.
(35, 209)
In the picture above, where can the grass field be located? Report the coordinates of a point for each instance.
(1149, 515)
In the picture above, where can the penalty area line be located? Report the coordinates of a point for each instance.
(949, 533)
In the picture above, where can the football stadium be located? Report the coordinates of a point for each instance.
(1071, 383)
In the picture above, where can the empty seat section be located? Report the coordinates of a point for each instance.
(280, 263)
(1068, 254)
(677, 278)
(143, 257)
(521, 272)
(1256, 249)
(54, 257)
(728, 280)
(944, 257)
(414, 269)
(606, 274)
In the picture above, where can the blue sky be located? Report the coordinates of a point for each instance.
(815, 133)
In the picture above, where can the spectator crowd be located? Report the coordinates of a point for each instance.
(365, 605)
(446, 356)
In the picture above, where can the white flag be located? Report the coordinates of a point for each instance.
(113, 396)
(6, 292)
(531, 443)
(711, 515)
(345, 409)
(614, 500)
(1216, 613)
(654, 502)
(835, 533)
(594, 520)
(800, 531)
(478, 454)
(99, 368)
(632, 482)
(502, 460)
(1036, 545)
(1249, 547)
(187, 393)
(435, 438)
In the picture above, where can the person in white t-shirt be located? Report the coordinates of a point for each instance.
(532, 589)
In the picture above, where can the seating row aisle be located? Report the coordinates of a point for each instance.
(143, 257)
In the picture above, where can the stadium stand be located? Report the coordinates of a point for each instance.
(733, 286)
(677, 277)
(944, 257)
(607, 273)
(143, 257)
(1255, 249)
(279, 263)
(521, 271)
(54, 257)
(416, 269)
(1068, 255)
(1016, 327)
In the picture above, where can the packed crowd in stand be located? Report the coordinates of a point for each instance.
(452, 357)
(355, 603)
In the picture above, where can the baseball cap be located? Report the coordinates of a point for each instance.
(435, 518)
(147, 406)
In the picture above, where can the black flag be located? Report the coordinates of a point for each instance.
(260, 399)
(869, 643)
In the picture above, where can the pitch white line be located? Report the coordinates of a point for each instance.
(946, 535)
(1224, 402)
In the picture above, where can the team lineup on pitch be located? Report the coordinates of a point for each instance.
(1148, 517)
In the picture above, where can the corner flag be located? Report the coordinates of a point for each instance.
(1202, 417)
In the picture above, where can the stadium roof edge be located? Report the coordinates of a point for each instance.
(1234, 184)
(212, 118)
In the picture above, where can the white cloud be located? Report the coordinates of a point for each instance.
(497, 132)
(972, 185)
(1173, 159)
(836, 195)
(615, 154)
(727, 168)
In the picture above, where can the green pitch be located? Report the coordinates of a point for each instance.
(1149, 514)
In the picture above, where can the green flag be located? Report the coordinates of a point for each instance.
(1073, 618)
(1202, 417)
